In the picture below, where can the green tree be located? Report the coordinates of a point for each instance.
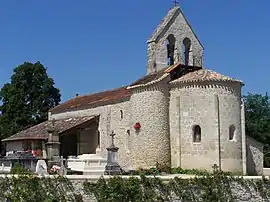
(258, 121)
(27, 98)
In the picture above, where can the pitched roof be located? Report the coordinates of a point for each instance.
(39, 132)
(84, 102)
(204, 75)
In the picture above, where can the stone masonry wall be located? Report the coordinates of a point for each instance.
(149, 107)
(254, 157)
(240, 192)
(114, 117)
(195, 104)
(157, 50)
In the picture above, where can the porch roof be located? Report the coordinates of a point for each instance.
(39, 132)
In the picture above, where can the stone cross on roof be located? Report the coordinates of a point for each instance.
(176, 3)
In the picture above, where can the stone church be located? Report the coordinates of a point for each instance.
(180, 114)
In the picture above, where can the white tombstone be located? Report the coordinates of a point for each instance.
(41, 167)
(2, 167)
(62, 170)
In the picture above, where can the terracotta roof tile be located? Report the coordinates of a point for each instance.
(84, 102)
(39, 132)
(204, 75)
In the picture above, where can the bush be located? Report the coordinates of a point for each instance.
(188, 171)
(158, 170)
(211, 188)
(30, 188)
(20, 170)
(217, 187)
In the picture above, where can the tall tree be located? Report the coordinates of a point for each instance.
(258, 121)
(27, 98)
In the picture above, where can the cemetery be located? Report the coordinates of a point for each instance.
(177, 133)
(108, 182)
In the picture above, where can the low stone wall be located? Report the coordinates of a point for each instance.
(241, 192)
(266, 171)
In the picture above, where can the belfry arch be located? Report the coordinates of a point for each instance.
(170, 45)
(186, 52)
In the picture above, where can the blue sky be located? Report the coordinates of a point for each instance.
(90, 46)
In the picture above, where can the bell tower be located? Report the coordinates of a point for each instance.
(172, 42)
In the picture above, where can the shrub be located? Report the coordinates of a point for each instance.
(20, 170)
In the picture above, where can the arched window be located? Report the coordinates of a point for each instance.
(231, 132)
(197, 133)
(121, 114)
(186, 51)
(170, 44)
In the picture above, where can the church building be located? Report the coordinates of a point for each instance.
(180, 114)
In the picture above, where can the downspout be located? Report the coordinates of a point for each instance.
(218, 127)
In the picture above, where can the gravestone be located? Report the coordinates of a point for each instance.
(112, 167)
(62, 170)
(41, 168)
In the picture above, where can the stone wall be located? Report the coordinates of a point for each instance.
(196, 104)
(254, 157)
(176, 24)
(114, 117)
(240, 192)
(150, 144)
(137, 149)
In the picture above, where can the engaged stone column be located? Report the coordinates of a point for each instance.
(53, 146)
(218, 130)
(243, 130)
